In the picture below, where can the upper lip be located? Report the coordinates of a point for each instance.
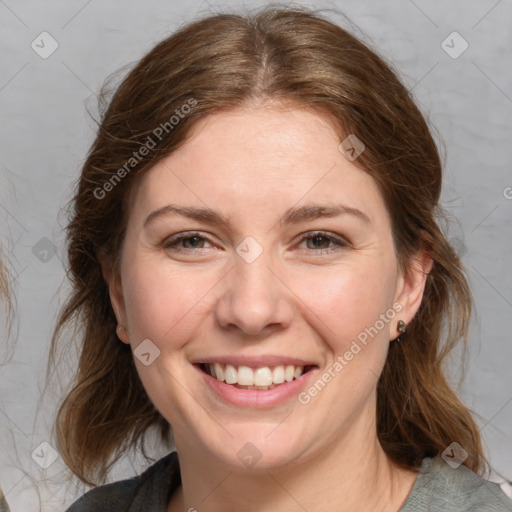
(253, 361)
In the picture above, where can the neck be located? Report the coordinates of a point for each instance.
(351, 474)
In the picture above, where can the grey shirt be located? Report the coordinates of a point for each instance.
(438, 488)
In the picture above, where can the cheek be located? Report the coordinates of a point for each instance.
(346, 301)
(164, 306)
(163, 303)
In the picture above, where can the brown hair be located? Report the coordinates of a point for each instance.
(4, 283)
(6, 301)
(4, 296)
(222, 62)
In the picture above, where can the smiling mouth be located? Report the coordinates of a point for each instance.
(261, 379)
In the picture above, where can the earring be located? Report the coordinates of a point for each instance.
(401, 325)
(118, 329)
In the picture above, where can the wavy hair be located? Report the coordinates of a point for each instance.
(225, 61)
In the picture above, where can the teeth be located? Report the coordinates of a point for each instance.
(246, 376)
(262, 377)
(219, 372)
(258, 378)
(231, 375)
(278, 375)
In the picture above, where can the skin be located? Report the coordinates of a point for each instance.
(295, 299)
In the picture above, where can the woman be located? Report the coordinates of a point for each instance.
(256, 263)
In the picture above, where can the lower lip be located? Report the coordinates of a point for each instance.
(257, 398)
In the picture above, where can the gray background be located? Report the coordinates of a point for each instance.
(45, 133)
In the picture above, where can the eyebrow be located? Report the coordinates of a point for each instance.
(293, 215)
(314, 211)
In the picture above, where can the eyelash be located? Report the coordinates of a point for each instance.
(172, 242)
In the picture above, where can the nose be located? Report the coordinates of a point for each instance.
(254, 299)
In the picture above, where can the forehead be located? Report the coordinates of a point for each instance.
(267, 158)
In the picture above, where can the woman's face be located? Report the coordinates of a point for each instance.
(260, 245)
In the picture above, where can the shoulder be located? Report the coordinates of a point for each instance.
(150, 488)
(115, 496)
(440, 488)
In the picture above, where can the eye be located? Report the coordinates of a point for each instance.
(320, 242)
(317, 242)
(186, 242)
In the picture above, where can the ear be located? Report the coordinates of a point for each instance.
(410, 288)
(115, 290)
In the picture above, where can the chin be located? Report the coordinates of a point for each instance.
(255, 448)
